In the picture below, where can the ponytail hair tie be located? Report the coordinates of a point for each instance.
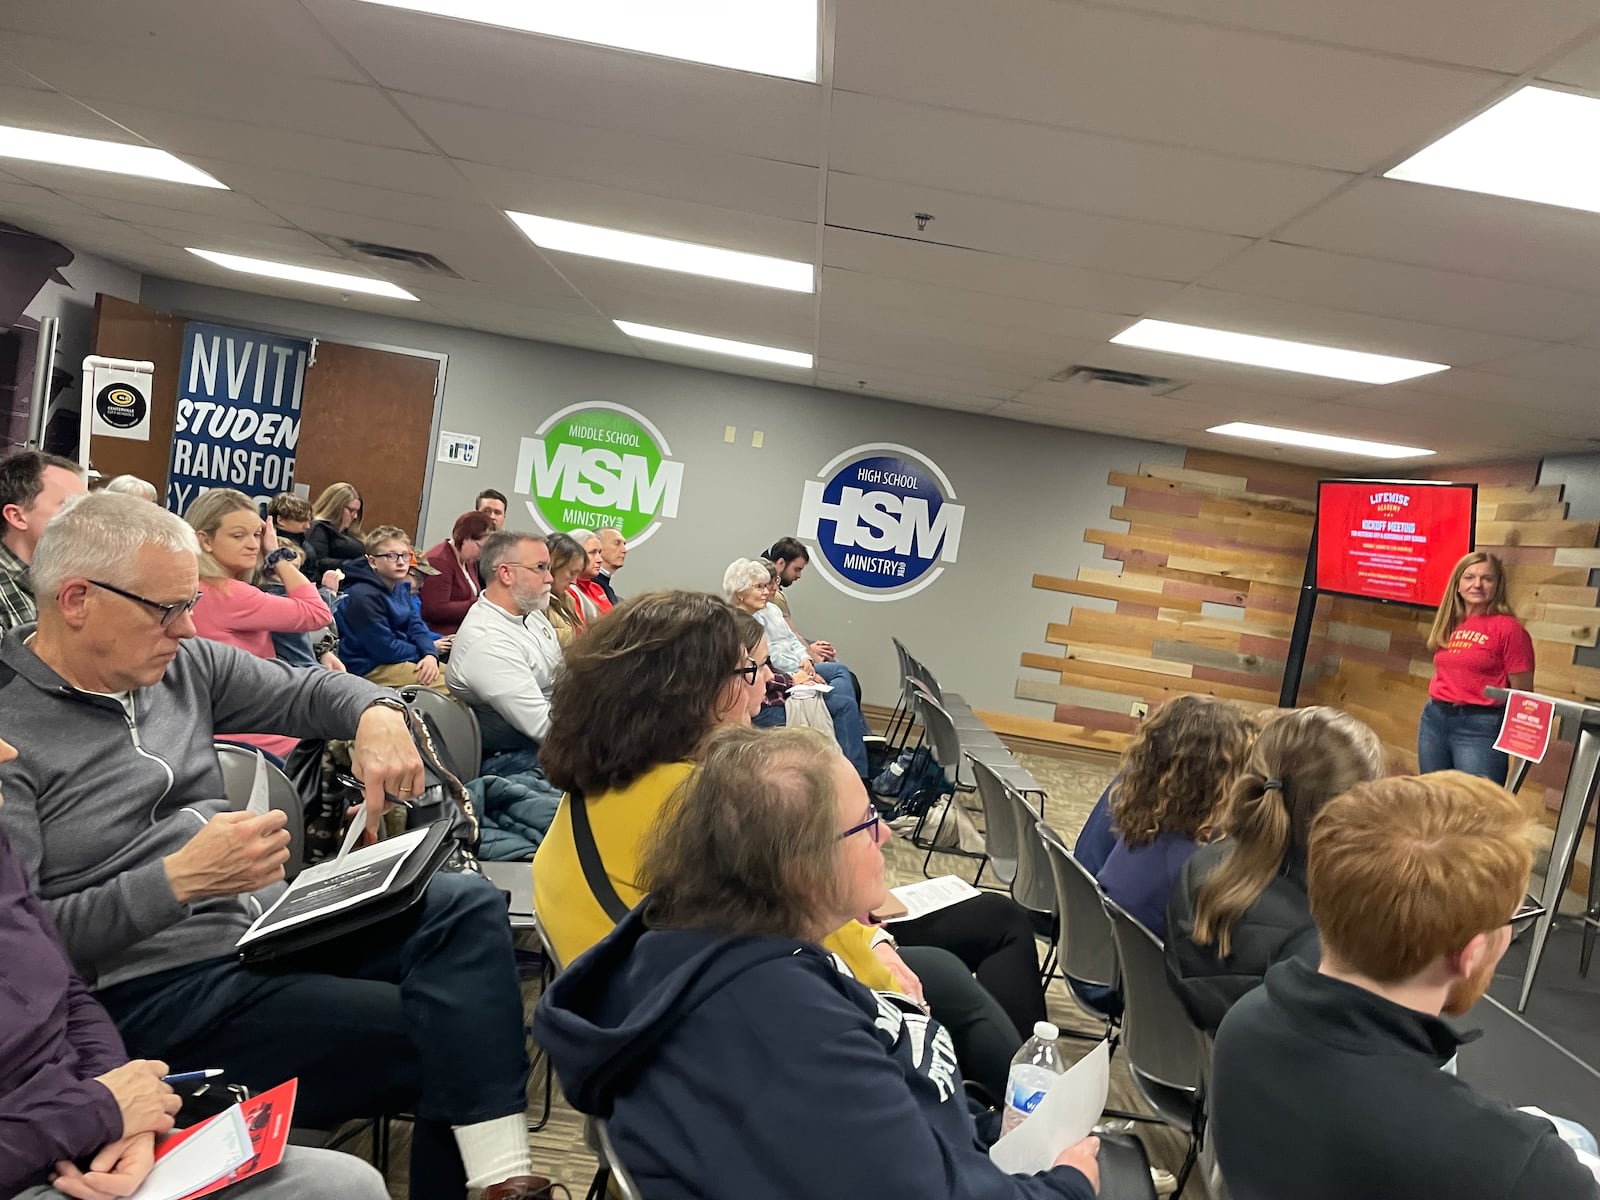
(1272, 785)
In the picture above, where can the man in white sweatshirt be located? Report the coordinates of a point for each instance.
(506, 654)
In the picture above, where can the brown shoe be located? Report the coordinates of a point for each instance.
(519, 1187)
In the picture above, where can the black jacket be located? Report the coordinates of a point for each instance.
(328, 550)
(1277, 926)
(1322, 1090)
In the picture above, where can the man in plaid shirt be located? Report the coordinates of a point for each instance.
(33, 487)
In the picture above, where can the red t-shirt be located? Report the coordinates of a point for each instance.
(1481, 652)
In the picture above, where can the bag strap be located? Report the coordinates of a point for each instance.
(594, 871)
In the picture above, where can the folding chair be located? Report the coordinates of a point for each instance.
(457, 725)
(1034, 885)
(1000, 833)
(238, 776)
(612, 1171)
(1087, 952)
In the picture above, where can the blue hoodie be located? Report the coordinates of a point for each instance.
(753, 1067)
(378, 625)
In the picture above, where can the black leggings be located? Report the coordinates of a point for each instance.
(993, 935)
(979, 1028)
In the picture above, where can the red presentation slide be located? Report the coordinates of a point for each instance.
(1392, 541)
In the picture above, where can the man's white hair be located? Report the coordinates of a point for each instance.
(744, 573)
(98, 536)
(132, 485)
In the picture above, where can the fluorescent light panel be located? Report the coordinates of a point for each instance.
(596, 241)
(1536, 144)
(767, 37)
(1317, 441)
(91, 154)
(1305, 358)
(715, 345)
(278, 270)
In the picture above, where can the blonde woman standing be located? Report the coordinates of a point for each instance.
(1478, 643)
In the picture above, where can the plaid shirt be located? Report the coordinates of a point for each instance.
(16, 597)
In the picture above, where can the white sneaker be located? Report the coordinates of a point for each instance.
(1165, 1181)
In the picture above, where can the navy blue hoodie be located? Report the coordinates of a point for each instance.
(753, 1067)
(378, 624)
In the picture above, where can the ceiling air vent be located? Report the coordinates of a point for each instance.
(1103, 379)
(395, 256)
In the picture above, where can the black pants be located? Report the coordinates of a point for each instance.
(979, 1028)
(419, 1014)
(993, 935)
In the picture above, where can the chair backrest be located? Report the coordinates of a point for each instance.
(1034, 886)
(550, 955)
(238, 776)
(457, 725)
(622, 1183)
(928, 680)
(1088, 951)
(907, 690)
(1000, 833)
(1156, 1030)
(942, 733)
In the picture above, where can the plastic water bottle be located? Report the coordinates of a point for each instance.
(1033, 1071)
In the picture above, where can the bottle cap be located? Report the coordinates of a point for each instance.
(1045, 1031)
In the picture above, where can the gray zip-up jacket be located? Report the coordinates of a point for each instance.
(97, 797)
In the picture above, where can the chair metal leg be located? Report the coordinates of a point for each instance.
(602, 1182)
(1591, 911)
(1188, 1167)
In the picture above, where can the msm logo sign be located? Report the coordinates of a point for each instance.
(599, 464)
(884, 519)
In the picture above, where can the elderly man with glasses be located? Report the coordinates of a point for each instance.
(113, 809)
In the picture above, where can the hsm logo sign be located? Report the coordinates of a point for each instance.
(884, 518)
(599, 464)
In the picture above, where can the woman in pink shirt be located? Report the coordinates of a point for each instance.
(233, 539)
(1478, 643)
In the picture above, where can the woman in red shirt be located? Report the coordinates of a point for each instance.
(1478, 643)
(447, 596)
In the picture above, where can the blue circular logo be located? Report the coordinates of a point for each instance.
(884, 520)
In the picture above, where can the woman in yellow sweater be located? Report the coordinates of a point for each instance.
(642, 690)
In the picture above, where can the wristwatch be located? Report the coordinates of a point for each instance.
(393, 702)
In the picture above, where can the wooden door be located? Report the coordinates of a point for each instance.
(123, 329)
(367, 419)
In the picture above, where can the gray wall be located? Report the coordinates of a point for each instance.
(74, 307)
(1030, 491)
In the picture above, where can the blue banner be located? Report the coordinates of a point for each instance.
(238, 419)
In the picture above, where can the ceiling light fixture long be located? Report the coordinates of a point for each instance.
(766, 37)
(92, 154)
(277, 270)
(1251, 350)
(715, 345)
(1537, 144)
(692, 258)
(1317, 441)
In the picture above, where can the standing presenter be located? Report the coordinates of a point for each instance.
(1478, 643)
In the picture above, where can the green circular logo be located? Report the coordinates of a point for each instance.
(599, 464)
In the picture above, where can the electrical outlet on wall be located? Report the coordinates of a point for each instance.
(1139, 709)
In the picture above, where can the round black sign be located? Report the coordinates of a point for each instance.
(120, 406)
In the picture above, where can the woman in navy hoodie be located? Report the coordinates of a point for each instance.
(77, 1118)
(381, 634)
(727, 1050)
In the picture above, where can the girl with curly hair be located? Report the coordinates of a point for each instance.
(1168, 798)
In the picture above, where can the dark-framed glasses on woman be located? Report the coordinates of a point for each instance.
(752, 669)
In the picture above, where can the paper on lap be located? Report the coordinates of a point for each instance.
(927, 896)
(1067, 1114)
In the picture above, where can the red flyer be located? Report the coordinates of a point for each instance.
(1528, 724)
(266, 1117)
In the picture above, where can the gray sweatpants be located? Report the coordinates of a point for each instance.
(304, 1174)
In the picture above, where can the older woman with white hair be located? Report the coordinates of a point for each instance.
(749, 584)
(132, 485)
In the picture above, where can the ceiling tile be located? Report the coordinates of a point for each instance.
(52, 112)
(1580, 68)
(1559, 364)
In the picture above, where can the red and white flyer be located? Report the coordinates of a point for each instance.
(1527, 726)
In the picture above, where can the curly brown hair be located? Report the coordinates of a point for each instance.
(1177, 770)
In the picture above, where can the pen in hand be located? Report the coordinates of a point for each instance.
(193, 1076)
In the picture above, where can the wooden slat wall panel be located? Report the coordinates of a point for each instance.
(1205, 580)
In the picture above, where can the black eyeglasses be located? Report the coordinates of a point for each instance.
(752, 670)
(171, 614)
(873, 822)
(394, 556)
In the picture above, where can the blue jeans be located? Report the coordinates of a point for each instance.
(420, 1013)
(1456, 737)
(771, 716)
(849, 726)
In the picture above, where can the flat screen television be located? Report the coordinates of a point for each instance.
(1394, 540)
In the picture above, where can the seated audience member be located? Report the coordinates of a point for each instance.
(76, 1112)
(291, 518)
(132, 485)
(492, 504)
(33, 487)
(613, 553)
(1168, 797)
(335, 534)
(1239, 905)
(506, 655)
(1326, 1080)
(789, 557)
(150, 879)
(716, 995)
(749, 584)
(567, 560)
(381, 634)
(447, 595)
(591, 598)
(639, 695)
(233, 539)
